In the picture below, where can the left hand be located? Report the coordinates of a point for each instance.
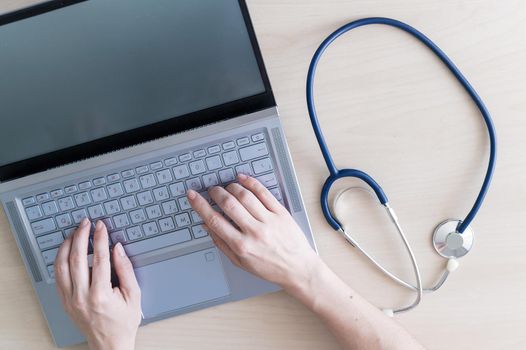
(108, 317)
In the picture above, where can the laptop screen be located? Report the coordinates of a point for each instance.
(99, 68)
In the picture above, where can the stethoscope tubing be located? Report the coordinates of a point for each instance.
(335, 173)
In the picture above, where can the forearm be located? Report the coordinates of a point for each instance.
(355, 323)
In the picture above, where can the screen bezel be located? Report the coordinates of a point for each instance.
(142, 134)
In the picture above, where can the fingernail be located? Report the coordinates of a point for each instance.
(98, 225)
(191, 194)
(242, 177)
(85, 222)
(120, 249)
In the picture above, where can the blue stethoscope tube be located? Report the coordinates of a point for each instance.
(336, 173)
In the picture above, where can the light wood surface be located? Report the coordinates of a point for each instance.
(390, 108)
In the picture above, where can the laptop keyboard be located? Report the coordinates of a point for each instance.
(145, 207)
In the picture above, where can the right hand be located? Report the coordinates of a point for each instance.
(265, 239)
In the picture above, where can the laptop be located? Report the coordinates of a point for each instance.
(112, 110)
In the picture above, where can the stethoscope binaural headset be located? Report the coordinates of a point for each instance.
(452, 238)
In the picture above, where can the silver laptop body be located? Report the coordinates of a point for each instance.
(135, 180)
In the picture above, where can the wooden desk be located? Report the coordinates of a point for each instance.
(390, 108)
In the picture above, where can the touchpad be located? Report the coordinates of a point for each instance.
(181, 282)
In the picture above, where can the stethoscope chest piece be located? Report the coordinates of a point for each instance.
(449, 243)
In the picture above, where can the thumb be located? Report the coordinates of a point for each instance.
(124, 270)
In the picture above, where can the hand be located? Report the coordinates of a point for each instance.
(108, 317)
(265, 239)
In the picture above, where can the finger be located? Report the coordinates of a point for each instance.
(124, 270)
(261, 193)
(221, 244)
(215, 221)
(78, 258)
(232, 208)
(62, 276)
(249, 201)
(101, 271)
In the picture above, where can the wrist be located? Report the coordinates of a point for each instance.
(111, 343)
(304, 280)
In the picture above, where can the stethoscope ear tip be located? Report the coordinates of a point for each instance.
(388, 312)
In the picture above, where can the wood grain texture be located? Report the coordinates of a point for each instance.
(390, 108)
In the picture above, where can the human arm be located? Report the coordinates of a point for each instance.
(108, 316)
(268, 243)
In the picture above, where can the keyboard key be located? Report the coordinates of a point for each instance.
(181, 171)
(197, 167)
(228, 145)
(244, 169)
(213, 163)
(199, 231)
(226, 175)
(57, 193)
(196, 218)
(230, 158)
(112, 207)
(118, 236)
(50, 241)
(169, 207)
(145, 198)
(183, 203)
(66, 203)
(156, 165)
(131, 185)
(214, 149)
(108, 223)
(84, 185)
(182, 220)
(115, 190)
(210, 180)
(28, 201)
(51, 271)
(258, 137)
(161, 193)
(170, 161)
(49, 256)
(128, 173)
(243, 141)
(34, 212)
(82, 199)
(69, 231)
(157, 242)
(114, 177)
(268, 180)
(43, 197)
(177, 189)
(128, 203)
(70, 189)
(255, 151)
(150, 228)
(99, 181)
(49, 208)
(96, 211)
(164, 176)
(194, 184)
(262, 166)
(153, 212)
(185, 157)
(199, 153)
(166, 224)
(99, 194)
(134, 233)
(78, 215)
(64, 220)
(137, 216)
(276, 193)
(142, 169)
(121, 221)
(148, 181)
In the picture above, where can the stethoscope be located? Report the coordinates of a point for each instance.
(452, 238)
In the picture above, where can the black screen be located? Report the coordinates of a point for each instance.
(102, 67)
